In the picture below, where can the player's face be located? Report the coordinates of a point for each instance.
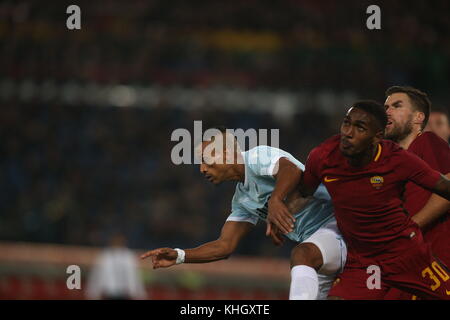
(358, 133)
(438, 123)
(213, 165)
(400, 114)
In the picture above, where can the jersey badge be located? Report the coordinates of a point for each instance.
(377, 182)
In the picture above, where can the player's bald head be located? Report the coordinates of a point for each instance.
(218, 145)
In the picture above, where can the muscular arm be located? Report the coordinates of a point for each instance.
(222, 248)
(287, 176)
(433, 209)
(232, 233)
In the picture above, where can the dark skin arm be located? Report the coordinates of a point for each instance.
(287, 179)
(222, 248)
(442, 187)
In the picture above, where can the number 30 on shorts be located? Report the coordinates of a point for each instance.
(438, 270)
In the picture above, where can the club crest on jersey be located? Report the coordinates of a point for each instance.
(377, 182)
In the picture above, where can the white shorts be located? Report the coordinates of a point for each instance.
(334, 253)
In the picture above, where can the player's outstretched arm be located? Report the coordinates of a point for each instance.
(435, 207)
(287, 176)
(232, 233)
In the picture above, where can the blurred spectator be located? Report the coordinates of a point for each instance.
(439, 123)
(115, 275)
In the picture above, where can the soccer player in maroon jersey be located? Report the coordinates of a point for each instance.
(365, 176)
(408, 110)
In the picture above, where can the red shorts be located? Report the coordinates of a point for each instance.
(415, 271)
(439, 238)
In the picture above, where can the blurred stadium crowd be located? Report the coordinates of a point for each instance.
(77, 172)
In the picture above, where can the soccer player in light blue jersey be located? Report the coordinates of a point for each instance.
(267, 178)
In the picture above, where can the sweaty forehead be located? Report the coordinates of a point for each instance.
(396, 97)
(355, 114)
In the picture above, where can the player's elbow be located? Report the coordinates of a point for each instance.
(442, 188)
(225, 250)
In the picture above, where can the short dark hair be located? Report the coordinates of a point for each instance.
(374, 108)
(419, 100)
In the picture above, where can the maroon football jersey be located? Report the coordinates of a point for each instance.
(368, 200)
(434, 151)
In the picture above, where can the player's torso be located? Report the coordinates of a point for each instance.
(254, 195)
(367, 201)
(366, 191)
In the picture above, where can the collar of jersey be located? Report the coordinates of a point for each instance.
(377, 156)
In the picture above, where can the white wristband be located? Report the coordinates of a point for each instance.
(180, 257)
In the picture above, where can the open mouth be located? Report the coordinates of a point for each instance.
(345, 144)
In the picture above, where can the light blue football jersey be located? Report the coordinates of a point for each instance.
(250, 200)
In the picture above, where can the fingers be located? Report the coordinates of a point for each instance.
(285, 225)
(277, 240)
(275, 235)
(150, 253)
(161, 258)
(282, 218)
(155, 263)
(288, 219)
(268, 228)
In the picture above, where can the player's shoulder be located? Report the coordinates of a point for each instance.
(261, 156)
(263, 148)
(393, 155)
(261, 151)
(390, 149)
(326, 147)
(429, 139)
(390, 146)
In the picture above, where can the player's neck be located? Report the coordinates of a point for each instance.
(406, 142)
(363, 159)
(237, 172)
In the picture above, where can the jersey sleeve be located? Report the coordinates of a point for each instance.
(262, 160)
(418, 171)
(312, 175)
(240, 215)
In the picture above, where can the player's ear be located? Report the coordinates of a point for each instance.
(419, 117)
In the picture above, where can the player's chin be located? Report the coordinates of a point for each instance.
(346, 151)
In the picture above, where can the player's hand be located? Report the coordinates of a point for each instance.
(274, 233)
(280, 215)
(162, 257)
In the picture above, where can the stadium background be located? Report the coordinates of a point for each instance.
(86, 118)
